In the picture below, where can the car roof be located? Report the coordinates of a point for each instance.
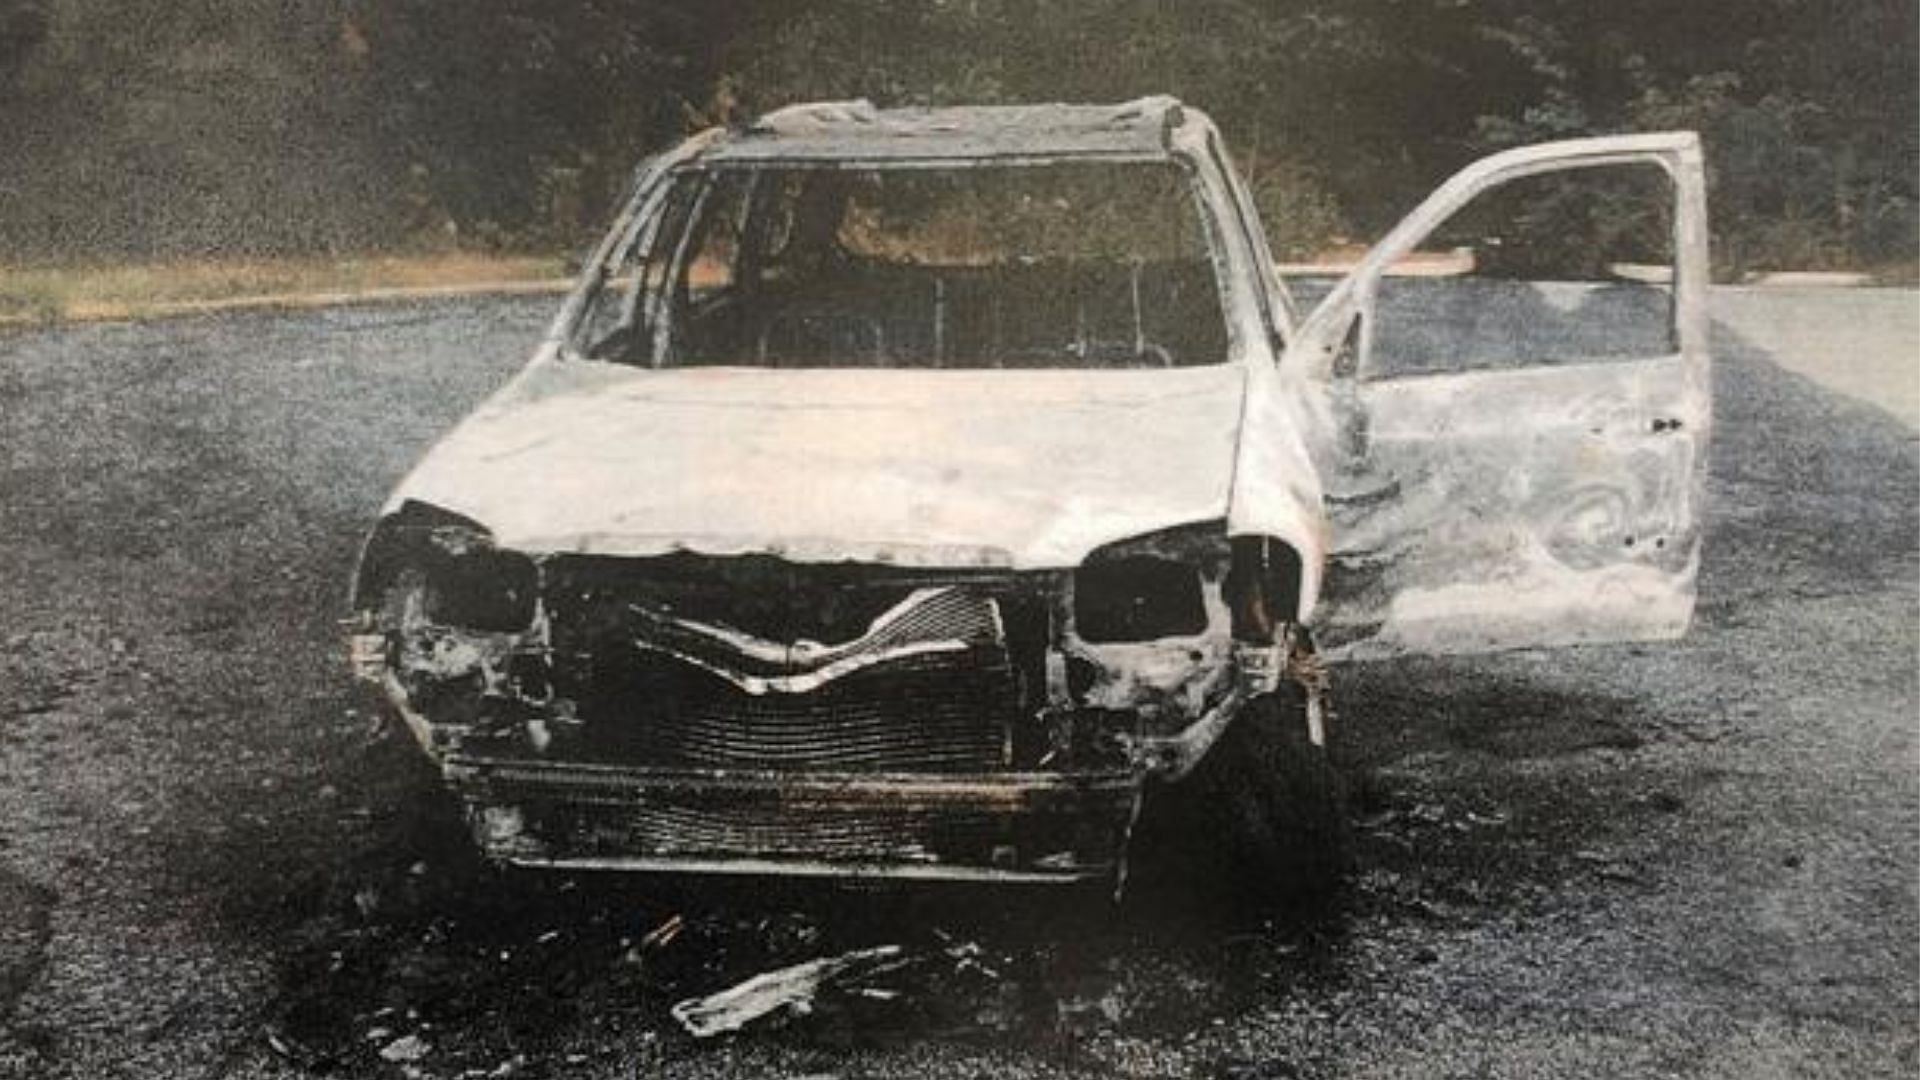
(857, 131)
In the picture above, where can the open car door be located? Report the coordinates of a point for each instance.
(1514, 448)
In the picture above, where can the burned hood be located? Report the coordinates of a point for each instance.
(1021, 469)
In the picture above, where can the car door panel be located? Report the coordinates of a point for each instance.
(1470, 532)
(1546, 503)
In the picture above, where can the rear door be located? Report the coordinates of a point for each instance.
(1515, 403)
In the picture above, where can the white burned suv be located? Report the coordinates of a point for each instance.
(912, 493)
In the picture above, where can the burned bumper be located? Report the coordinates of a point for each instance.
(997, 827)
(956, 730)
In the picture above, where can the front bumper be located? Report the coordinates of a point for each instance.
(1001, 827)
(1004, 828)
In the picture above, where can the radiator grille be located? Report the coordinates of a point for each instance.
(935, 712)
(690, 669)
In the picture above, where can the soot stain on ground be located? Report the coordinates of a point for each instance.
(23, 937)
(411, 935)
(394, 928)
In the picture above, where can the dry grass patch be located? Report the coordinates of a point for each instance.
(59, 293)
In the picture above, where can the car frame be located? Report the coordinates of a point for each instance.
(1318, 499)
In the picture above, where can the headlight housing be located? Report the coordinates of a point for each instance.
(1149, 587)
(465, 580)
(481, 588)
(1137, 598)
(1156, 586)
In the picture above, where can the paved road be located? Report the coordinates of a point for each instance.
(1690, 860)
(1865, 343)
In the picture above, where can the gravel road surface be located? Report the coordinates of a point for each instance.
(1696, 859)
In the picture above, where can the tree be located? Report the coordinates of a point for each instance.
(23, 26)
(153, 127)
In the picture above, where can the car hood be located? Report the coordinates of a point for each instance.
(1027, 469)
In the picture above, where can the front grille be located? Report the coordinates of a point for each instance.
(934, 712)
(925, 686)
(924, 620)
(760, 595)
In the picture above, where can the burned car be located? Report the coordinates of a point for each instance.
(914, 493)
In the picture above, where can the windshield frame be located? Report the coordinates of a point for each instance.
(1243, 306)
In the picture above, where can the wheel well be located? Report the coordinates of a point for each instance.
(1263, 586)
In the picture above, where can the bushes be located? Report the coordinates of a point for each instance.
(151, 128)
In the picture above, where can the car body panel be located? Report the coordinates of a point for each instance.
(1550, 504)
(1026, 470)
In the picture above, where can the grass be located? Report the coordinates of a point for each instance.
(41, 294)
(35, 294)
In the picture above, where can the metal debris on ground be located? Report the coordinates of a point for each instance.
(406, 1048)
(663, 935)
(783, 989)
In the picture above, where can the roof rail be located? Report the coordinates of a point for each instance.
(1172, 115)
(814, 116)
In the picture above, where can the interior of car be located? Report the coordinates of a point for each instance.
(984, 267)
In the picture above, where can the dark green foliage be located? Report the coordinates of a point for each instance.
(23, 26)
(152, 127)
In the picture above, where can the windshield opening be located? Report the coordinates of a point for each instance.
(1072, 265)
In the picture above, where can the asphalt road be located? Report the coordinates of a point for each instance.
(1696, 859)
